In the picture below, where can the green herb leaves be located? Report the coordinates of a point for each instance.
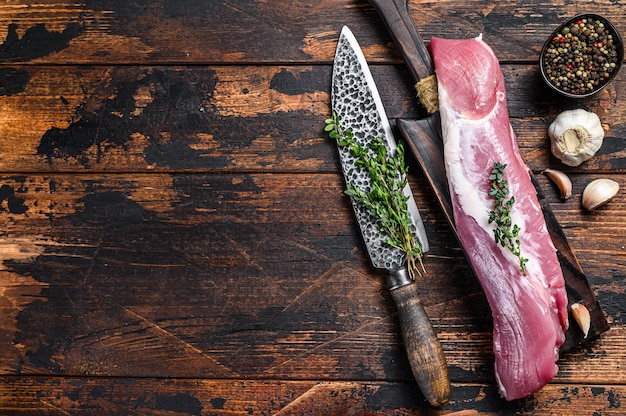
(386, 201)
(506, 233)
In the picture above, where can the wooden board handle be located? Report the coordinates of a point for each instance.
(396, 16)
(423, 348)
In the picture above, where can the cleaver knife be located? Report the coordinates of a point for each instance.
(357, 104)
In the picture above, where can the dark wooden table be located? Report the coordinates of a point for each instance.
(174, 237)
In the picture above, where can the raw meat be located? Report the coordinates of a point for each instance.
(529, 311)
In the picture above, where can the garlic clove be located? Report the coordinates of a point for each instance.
(561, 180)
(582, 317)
(598, 192)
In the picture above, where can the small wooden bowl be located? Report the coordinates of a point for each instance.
(548, 71)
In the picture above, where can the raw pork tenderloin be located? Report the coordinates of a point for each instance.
(529, 311)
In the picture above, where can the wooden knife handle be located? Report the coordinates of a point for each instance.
(395, 14)
(422, 346)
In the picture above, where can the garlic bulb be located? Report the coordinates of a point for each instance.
(598, 193)
(576, 136)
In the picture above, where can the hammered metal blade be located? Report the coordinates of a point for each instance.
(356, 102)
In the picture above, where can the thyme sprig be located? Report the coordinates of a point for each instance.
(386, 201)
(506, 233)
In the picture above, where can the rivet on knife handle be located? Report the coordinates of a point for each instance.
(423, 349)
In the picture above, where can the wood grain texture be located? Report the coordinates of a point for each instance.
(217, 118)
(174, 238)
(192, 31)
(197, 266)
(157, 396)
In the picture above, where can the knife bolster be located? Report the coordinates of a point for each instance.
(398, 278)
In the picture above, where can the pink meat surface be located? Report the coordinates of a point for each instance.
(529, 311)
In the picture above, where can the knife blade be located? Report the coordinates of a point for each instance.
(357, 104)
(425, 140)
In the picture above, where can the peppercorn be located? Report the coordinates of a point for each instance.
(581, 57)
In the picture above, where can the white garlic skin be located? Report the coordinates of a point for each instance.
(598, 193)
(576, 135)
